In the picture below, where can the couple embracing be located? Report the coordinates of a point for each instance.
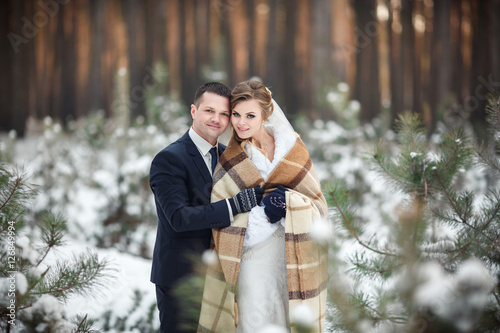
(253, 202)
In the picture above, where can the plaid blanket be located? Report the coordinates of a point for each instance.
(306, 262)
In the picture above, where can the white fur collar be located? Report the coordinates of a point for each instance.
(259, 228)
(283, 143)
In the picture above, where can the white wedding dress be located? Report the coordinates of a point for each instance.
(262, 296)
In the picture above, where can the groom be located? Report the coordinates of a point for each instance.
(181, 181)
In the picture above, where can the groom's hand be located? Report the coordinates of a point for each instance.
(246, 200)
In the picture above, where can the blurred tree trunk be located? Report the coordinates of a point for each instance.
(289, 78)
(440, 61)
(157, 28)
(191, 68)
(420, 58)
(481, 79)
(114, 57)
(82, 60)
(272, 56)
(343, 40)
(396, 65)
(151, 26)
(417, 45)
(261, 38)
(19, 66)
(66, 61)
(251, 18)
(494, 15)
(408, 42)
(188, 51)
(239, 35)
(322, 65)
(227, 42)
(456, 49)
(303, 47)
(136, 27)
(367, 86)
(202, 19)
(45, 82)
(175, 48)
(97, 35)
(214, 36)
(7, 54)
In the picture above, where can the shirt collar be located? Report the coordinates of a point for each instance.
(200, 143)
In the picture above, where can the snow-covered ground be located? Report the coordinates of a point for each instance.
(129, 273)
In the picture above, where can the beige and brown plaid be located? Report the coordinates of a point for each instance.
(306, 262)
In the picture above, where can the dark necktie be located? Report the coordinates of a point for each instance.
(213, 152)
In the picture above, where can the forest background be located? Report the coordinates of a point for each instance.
(68, 58)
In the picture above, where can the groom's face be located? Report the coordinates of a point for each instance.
(211, 116)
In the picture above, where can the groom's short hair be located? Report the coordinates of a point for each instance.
(212, 87)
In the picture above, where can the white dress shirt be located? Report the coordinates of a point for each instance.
(204, 148)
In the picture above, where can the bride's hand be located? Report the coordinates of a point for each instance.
(275, 205)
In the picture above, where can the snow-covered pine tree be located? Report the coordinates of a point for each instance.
(31, 290)
(435, 272)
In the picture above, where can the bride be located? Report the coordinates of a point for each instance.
(267, 263)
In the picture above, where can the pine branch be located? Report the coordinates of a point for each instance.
(493, 111)
(452, 203)
(410, 129)
(408, 172)
(68, 278)
(486, 152)
(47, 250)
(377, 157)
(443, 216)
(83, 324)
(80, 325)
(451, 158)
(53, 229)
(494, 213)
(11, 193)
(497, 298)
(394, 319)
(492, 217)
(373, 266)
(455, 153)
(15, 195)
(351, 307)
(30, 288)
(488, 159)
(461, 252)
(353, 232)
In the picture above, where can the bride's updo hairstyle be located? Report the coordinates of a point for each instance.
(248, 90)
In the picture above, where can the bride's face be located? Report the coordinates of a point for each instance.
(247, 120)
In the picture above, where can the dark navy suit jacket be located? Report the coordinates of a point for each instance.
(182, 184)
